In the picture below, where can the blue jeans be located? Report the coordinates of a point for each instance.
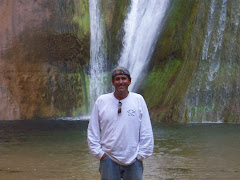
(111, 170)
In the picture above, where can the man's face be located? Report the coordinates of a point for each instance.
(121, 83)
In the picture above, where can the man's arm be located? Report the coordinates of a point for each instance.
(146, 143)
(94, 134)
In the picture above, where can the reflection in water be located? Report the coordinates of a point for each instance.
(58, 150)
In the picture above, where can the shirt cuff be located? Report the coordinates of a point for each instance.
(100, 154)
(140, 158)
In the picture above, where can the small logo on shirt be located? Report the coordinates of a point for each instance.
(131, 112)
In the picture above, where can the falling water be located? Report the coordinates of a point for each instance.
(142, 27)
(97, 63)
(216, 80)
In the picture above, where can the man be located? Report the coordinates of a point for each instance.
(119, 131)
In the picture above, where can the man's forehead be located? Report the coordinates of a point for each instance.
(121, 75)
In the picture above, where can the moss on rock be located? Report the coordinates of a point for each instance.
(175, 61)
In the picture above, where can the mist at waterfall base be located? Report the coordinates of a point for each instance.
(58, 150)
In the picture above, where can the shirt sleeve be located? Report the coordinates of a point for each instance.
(94, 134)
(146, 139)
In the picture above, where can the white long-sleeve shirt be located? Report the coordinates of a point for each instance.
(125, 136)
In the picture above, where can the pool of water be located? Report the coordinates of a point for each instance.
(58, 150)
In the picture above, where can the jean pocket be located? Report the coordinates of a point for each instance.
(103, 159)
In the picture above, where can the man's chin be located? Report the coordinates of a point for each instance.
(123, 89)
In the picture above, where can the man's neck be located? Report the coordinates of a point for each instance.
(121, 95)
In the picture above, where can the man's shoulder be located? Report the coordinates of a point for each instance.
(136, 95)
(104, 96)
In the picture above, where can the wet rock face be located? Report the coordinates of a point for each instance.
(44, 57)
(41, 60)
(195, 69)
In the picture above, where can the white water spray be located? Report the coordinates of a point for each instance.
(142, 28)
(97, 63)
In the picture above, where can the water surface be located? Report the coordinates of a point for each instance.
(58, 150)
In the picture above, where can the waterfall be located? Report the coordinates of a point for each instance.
(142, 28)
(216, 81)
(97, 63)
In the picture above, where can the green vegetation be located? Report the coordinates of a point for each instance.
(175, 61)
(81, 16)
(114, 32)
(159, 82)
